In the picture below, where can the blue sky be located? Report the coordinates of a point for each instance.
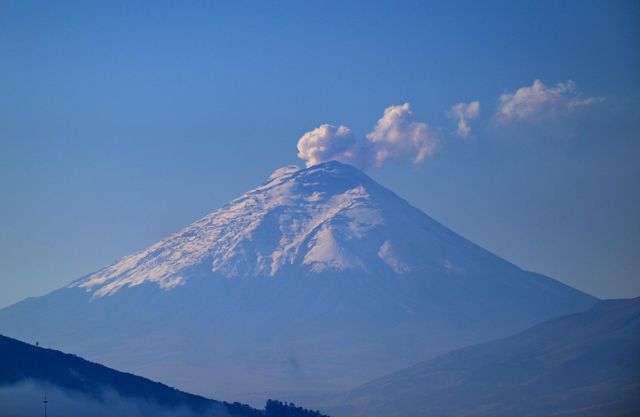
(122, 122)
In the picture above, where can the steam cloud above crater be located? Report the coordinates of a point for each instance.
(396, 136)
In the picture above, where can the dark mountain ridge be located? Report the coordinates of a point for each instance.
(21, 362)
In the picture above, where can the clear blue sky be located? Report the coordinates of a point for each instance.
(121, 122)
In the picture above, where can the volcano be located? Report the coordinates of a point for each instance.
(316, 281)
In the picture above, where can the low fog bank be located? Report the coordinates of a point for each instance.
(24, 399)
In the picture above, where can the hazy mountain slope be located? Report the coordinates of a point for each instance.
(76, 387)
(584, 364)
(318, 280)
(24, 365)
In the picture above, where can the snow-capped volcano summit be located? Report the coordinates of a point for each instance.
(319, 279)
(330, 217)
(298, 218)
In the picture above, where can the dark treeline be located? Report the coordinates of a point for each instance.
(273, 408)
(282, 409)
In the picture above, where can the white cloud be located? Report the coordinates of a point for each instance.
(328, 142)
(464, 112)
(538, 99)
(395, 136)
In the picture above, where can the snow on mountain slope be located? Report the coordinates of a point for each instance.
(296, 219)
(317, 280)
